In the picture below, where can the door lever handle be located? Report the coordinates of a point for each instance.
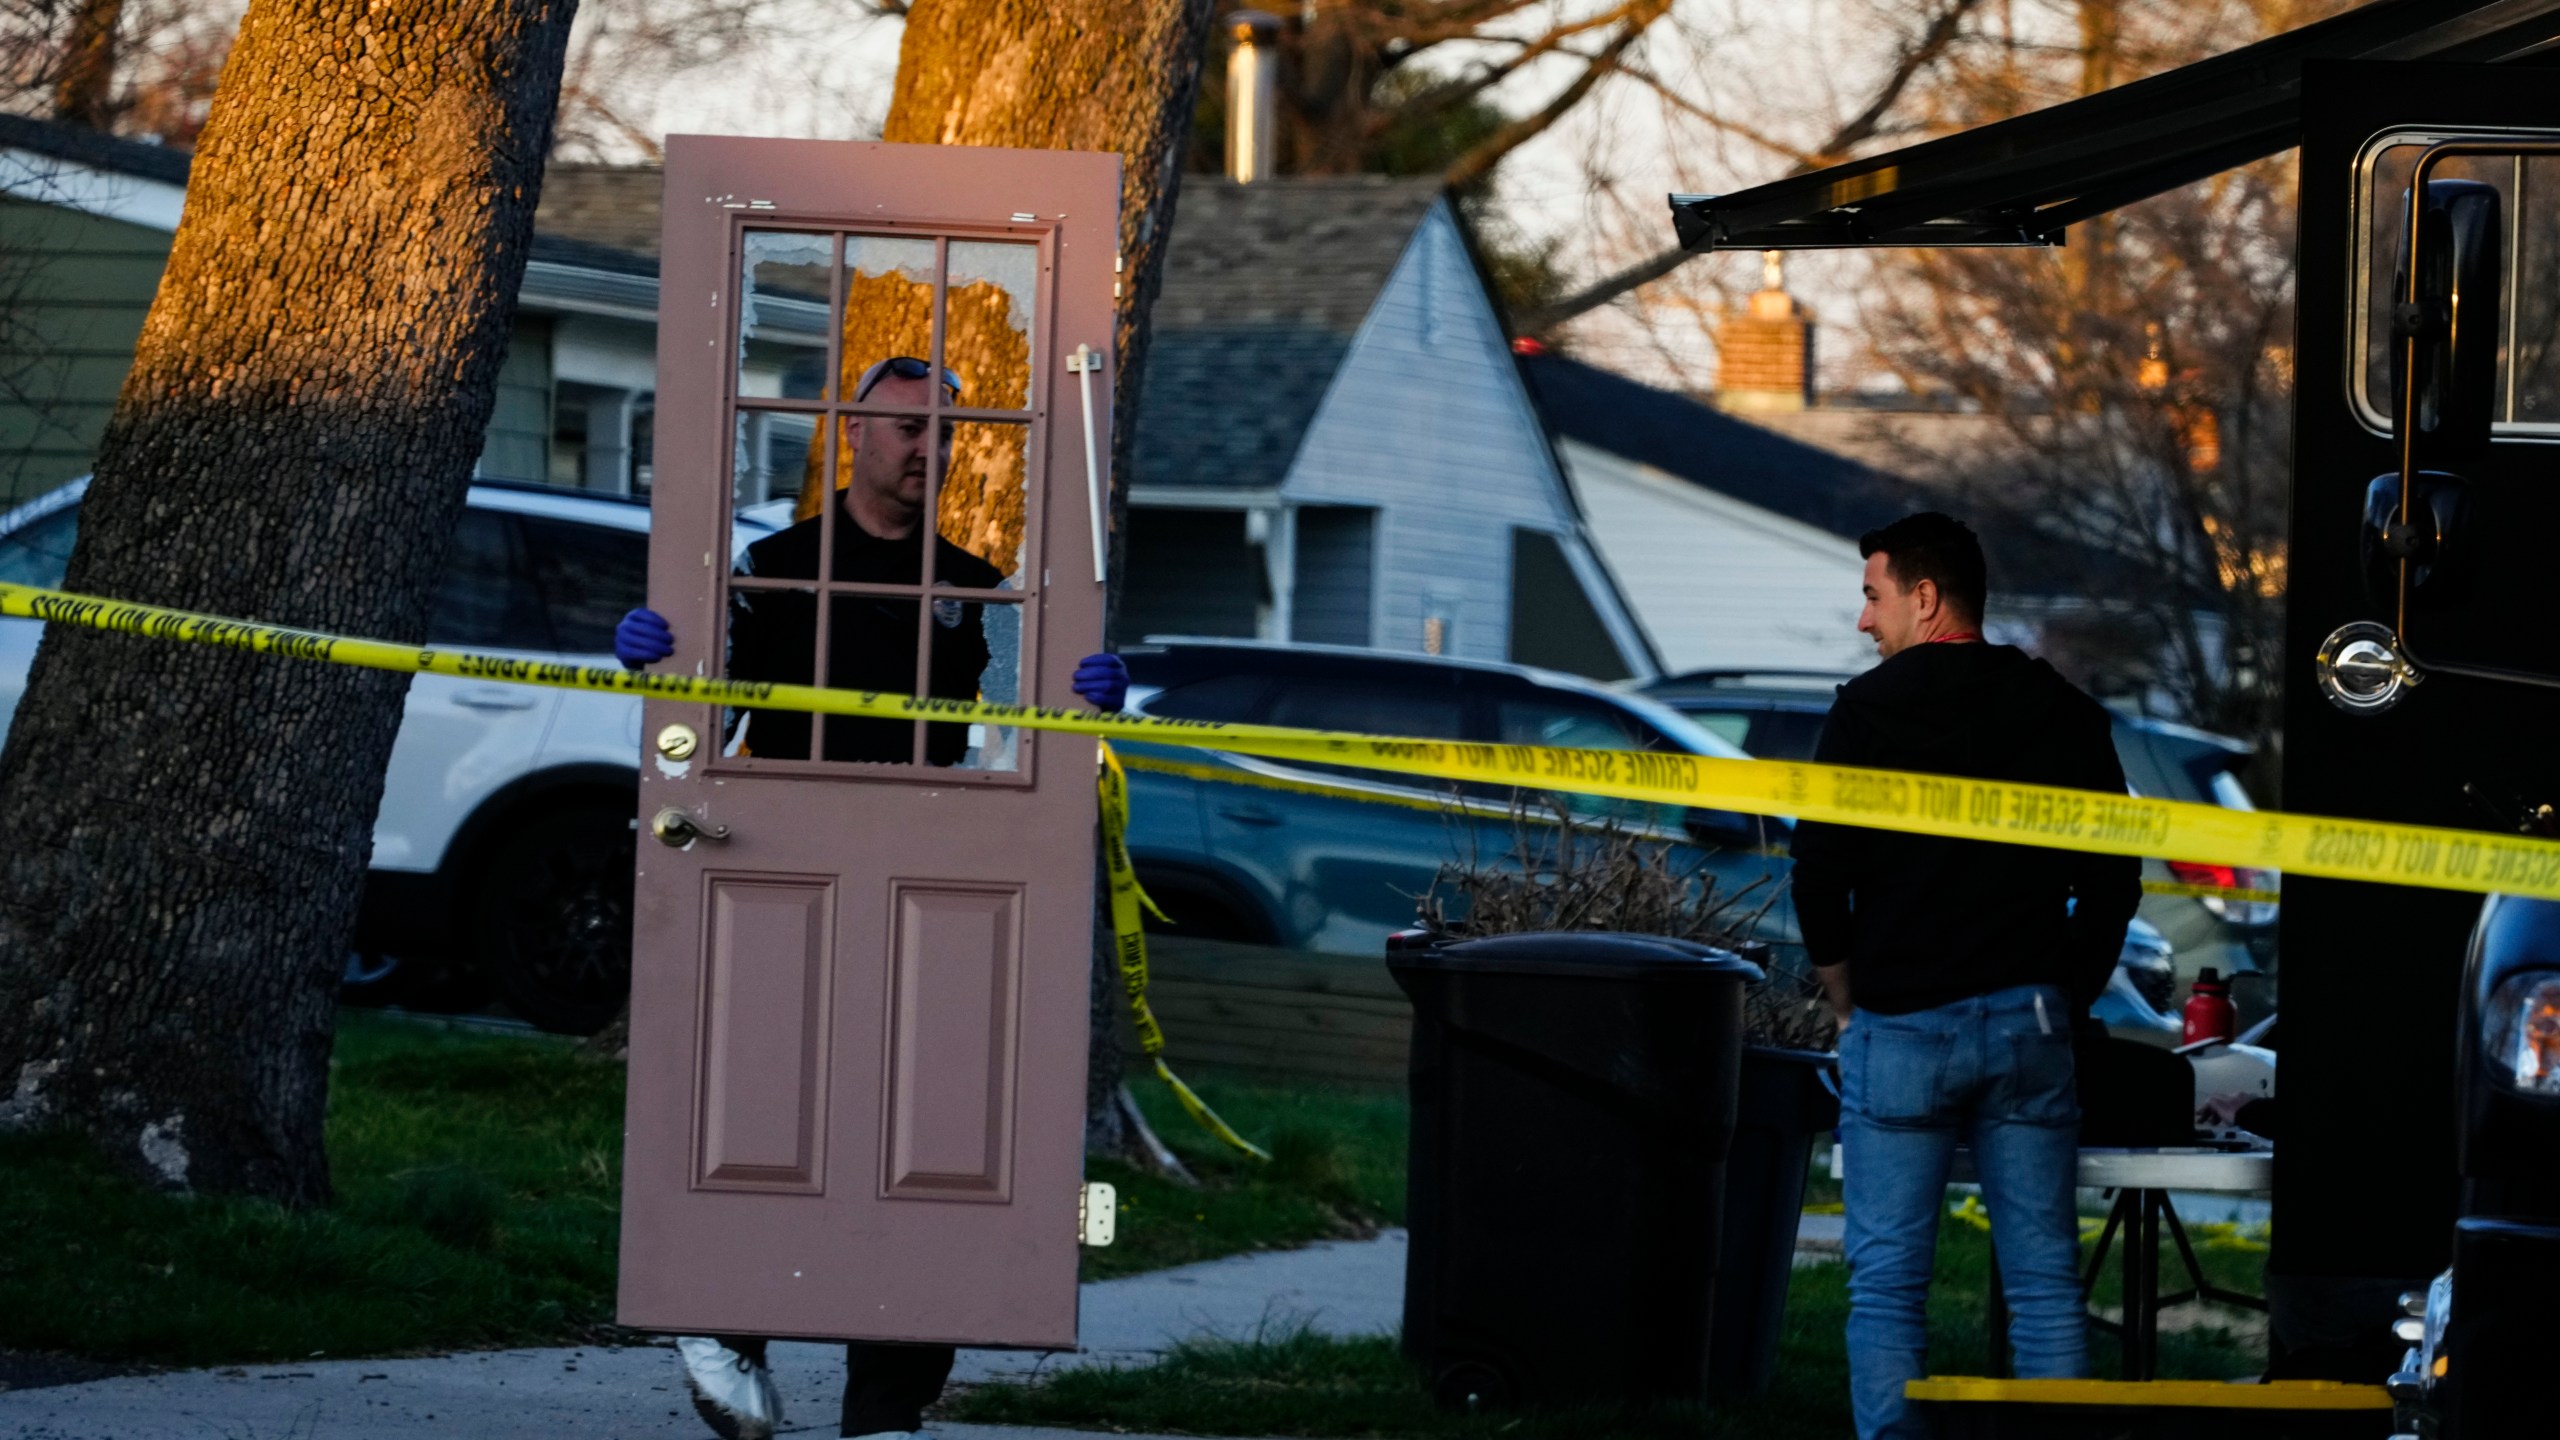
(1249, 814)
(494, 697)
(674, 827)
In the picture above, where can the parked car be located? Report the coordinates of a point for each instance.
(1778, 714)
(1331, 858)
(502, 852)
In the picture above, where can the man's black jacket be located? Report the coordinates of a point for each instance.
(1922, 920)
(871, 640)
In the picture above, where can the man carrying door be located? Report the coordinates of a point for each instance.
(871, 645)
(1956, 968)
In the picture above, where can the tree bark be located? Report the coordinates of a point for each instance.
(188, 828)
(84, 92)
(1116, 75)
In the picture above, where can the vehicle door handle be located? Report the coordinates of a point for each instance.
(1249, 814)
(674, 827)
(495, 697)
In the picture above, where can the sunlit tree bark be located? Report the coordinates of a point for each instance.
(188, 828)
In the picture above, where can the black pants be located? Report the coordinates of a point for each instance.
(886, 1387)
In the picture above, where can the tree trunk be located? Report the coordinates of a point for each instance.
(1116, 75)
(188, 828)
(84, 90)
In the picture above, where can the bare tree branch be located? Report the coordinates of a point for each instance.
(1922, 52)
(1472, 166)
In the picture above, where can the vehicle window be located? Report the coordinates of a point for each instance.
(1785, 734)
(486, 597)
(1369, 709)
(587, 576)
(1731, 726)
(38, 553)
(1549, 722)
(2528, 378)
(1230, 699)
(1584, 726)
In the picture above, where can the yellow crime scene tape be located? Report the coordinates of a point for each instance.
(1951, 806)
(1954, 806)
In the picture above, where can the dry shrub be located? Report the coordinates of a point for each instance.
(1566, 872)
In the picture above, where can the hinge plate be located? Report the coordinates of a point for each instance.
(1097, 1214)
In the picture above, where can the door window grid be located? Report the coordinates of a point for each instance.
(1000, 756)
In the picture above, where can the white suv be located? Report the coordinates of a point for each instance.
(502, 852)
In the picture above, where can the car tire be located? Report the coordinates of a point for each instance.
(552, 914)
(431, 982)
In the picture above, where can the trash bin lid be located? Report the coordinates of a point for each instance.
(1595, 953)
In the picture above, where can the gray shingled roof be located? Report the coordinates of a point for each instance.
(98, 152)
(1264, 287)
(615, 206)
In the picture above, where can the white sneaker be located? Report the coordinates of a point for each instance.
(733, 1394)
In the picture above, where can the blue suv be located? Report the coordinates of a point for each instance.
(1330, 858)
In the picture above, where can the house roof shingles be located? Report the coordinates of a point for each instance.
(1715, 451)
(1264, 287)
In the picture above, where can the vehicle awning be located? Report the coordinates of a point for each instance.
(2021, 181)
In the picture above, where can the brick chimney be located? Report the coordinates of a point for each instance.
(1764, 352)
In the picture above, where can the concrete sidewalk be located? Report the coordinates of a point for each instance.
(1346, 1288)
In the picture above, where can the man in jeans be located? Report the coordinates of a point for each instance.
(1956, 968)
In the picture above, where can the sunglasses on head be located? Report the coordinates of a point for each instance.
(905, 367)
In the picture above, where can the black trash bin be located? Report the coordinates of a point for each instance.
(1786, 1105)
(1573, 1098)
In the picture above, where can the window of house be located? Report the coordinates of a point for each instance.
(2528, 373)
(39, 552)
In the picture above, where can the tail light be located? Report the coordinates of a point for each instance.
(2229, 877)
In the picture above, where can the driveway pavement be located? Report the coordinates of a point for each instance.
(1347, 1288)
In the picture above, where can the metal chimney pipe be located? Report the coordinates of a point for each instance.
(1253, 96)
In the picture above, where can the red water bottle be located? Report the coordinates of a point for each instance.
(2209, 1013)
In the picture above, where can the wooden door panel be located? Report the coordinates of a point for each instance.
(954, 997)
(763, 1076)
(858, 1020)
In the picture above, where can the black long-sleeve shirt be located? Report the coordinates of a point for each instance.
(1922, 920)
(871, 640)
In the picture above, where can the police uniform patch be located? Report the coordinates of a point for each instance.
(947, 613)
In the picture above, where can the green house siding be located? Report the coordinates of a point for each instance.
(73, 292)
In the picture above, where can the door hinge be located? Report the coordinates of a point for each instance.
(1097, 1214)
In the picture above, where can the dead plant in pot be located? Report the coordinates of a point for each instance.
(1569, 871)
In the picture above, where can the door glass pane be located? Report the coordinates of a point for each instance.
(772, 457)
(884, 466)
(782, 314)
(2386, 231)
(978, 646)
(773, 635)
(485, 598)
(888, 303)
(2537, 294)
(871, 645)
(981, 510)
(587, 576)
(990, 309)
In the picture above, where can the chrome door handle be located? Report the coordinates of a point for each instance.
(674, 827)
(1249, 814)
(495, 697)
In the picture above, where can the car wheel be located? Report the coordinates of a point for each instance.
(554, 916)
(435, 983)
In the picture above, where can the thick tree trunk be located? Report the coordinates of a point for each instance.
(1116, 75)
(188, 828)
(84, 87)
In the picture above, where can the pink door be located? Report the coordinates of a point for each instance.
(859, 975)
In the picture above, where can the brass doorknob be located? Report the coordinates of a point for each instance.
(674, 827)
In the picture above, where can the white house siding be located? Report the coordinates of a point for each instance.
(1717, 583)
(1426, 420)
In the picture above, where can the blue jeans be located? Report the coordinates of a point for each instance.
(1993, 1073)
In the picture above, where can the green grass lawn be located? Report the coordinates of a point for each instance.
(478, 1191)
(1307, 1385)
(479, 1198)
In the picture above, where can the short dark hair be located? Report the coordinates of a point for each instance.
(1937, 548)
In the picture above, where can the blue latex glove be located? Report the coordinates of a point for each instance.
(643, 639)
(1103, 681)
